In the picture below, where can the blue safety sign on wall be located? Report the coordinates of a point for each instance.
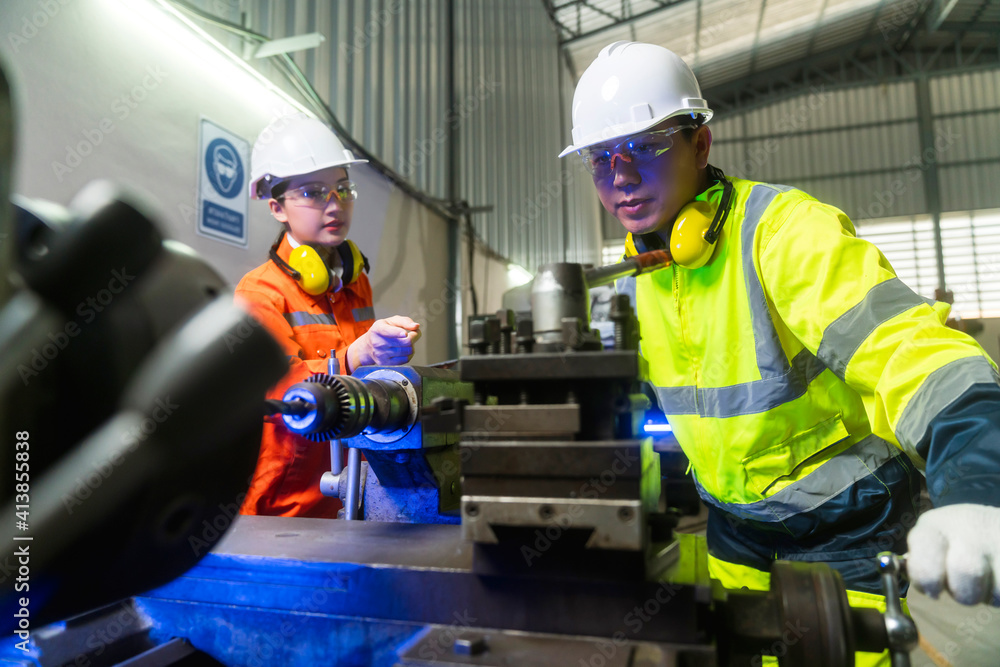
(222, 198)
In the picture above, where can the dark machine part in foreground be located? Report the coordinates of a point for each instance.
(565, 537)
(129, 400)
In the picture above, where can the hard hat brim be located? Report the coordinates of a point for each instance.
(291, 173)
(592, 141)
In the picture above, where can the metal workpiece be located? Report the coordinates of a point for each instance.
(559, 291)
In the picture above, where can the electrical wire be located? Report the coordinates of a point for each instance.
(450, 209)
(458, 210)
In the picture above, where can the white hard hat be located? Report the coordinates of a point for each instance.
(294, 145)
(629, 88)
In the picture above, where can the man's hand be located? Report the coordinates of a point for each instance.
(389, 342)
(957, 547)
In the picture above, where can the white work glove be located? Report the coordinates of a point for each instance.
(957, 547)
(389, 342)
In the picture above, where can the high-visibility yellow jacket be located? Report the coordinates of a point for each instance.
(796, 369)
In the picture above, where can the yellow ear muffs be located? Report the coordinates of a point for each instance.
(314, 276)
(688, 245)
(354, 262)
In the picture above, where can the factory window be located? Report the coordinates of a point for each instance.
(908, 244)
(971, 244)
(612, 252)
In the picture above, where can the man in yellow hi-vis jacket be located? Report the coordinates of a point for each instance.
(806, 383)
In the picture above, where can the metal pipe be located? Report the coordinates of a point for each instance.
(633, 266)
(353, 484)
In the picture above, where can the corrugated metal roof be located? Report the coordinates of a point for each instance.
(725, 40)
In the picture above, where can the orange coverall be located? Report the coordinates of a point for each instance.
(286, 481)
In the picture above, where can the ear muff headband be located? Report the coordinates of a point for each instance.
(308, 269)
(353, 260)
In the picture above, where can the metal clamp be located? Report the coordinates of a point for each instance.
(900, 629)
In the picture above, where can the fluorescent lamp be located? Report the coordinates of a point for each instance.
(517, 275)
(173, 25)
(658, 428)
(276, 47)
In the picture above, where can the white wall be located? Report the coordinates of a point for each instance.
(115, 83)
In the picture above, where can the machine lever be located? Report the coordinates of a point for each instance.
(900, 629)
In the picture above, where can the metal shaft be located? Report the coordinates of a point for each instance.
(633, 266)
(353, 484)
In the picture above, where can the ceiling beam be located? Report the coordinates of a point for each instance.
(938, 14)
(662, 7)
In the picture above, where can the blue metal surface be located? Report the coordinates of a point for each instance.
(258, 637)
(290, 591)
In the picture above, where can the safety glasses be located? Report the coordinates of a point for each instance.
(637, 150)
(318, 196)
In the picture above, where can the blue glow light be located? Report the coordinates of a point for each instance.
(658, 428)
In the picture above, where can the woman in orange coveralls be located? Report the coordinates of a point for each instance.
(324, 303)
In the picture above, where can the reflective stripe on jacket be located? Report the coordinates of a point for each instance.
(796, 348)
(286, 481)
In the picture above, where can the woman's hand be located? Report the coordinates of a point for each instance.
(389, 342)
